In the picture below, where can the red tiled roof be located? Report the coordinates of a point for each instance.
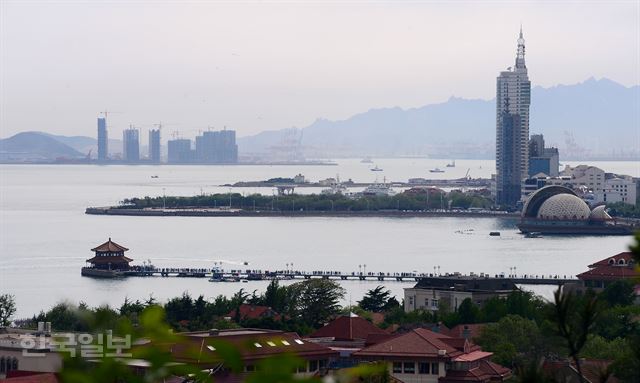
(472, 330)
(609, 272)
(348, 328)
(473, 356)
(377, 338)
(106, 259)
(416, 343)
(110, 246)
(194, 348)
(246, 311)
(626, 256)
(486, 371)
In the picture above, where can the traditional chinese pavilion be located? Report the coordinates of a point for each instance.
(109, 260)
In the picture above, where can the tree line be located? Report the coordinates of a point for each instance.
(424, 200)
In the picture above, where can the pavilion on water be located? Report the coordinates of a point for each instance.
(110, 256)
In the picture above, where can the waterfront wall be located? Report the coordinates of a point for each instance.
(204, 212)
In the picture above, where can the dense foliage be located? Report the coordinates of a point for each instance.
(433, 199)
(621, 209)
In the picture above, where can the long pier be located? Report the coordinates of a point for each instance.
(246, 275)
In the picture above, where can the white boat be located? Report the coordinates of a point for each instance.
(452, 164)
(366, 160)
(379, 189)
(376, 169)
(436, 170)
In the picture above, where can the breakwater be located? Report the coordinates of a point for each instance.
(225, 212)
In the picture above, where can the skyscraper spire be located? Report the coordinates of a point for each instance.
(520, 56)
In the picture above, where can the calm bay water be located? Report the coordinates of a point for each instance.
(45, 235)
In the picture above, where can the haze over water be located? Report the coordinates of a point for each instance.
(45, 235)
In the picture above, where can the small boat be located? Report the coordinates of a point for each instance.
(376, 169)
(452, 164)
(366, 160)
(494, 233)
(154, 176)
(533, 234)
(436, 170)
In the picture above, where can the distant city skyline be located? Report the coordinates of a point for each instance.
(257, 66)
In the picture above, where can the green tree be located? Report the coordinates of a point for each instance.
(514, 340)
(317, 300)
(575, 319)
(493, 310)
(619, 293)
(276, 297)
(468, 312)
(7, 308)
(375, 300)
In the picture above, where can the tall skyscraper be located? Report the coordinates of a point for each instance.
(131, 145)
(513, 97)
(103, 139)
(154, 146)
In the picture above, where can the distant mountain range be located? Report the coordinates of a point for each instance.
(595, 118)
(46, 147)
(592, 119)
(35, 146)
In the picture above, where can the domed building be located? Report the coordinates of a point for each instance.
(558, 210)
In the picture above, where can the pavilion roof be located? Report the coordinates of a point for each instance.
(110, 246)
(105, 260)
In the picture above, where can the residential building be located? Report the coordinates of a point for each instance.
(103, 140)
(217, 147)
(618, 267)
(347, 334)
(348, 328)
(432, 292)
(424, 356)
(131, 145)
(26, 350)
(180, 152)
(154, 146)
(253, 345)
(513, 97)
(589, 182)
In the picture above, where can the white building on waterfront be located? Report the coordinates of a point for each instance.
(591, 183)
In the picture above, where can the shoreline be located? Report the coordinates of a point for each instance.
(217, 212)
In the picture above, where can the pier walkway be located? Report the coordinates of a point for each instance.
(221, 275)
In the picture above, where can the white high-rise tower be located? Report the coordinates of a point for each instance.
(513, 97)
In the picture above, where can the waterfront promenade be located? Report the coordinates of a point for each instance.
(246, 275)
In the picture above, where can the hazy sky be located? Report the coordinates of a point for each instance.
(270, 65)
